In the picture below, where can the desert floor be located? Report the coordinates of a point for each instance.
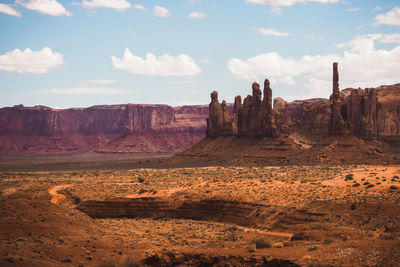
(297, 215)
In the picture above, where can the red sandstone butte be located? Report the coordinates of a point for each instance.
(140, 129)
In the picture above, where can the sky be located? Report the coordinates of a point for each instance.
(82, 53)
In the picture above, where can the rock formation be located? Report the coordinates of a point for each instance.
(137, 129)
(152, 129)
(336, 123)
(353, 112)
(253, 118)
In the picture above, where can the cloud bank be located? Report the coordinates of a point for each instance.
(28, 61)
(392, 17)
(115, 4)
(161, 12)
(6, 9)
(361, 64)
(49, 7)
(272, 32)
(164, 65)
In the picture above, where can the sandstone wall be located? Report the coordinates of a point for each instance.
(116, 128)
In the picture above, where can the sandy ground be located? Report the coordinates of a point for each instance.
(342, 216)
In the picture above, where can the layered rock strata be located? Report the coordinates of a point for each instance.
(137, 129)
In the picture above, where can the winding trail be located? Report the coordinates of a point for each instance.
(55, 196)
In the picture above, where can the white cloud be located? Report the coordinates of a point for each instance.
(50, 7)
(196, 15)
(102, 81)
(165, 65)
(137, 6)
(205, 60)
(86, 91)
(9, 10)
(359, 28)
(161, 12)
(360, 65)
(275, 10)
(271, 32)
(115, 4)
(393, 38)
(287, 80)
(353, 9)
(392, 17)
(30, 61)
(287, 2)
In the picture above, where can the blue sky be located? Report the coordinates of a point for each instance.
(91, 52)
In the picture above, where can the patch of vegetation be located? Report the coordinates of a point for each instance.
(77, 200)
(141, 191)
(349, 177)
(393, 187)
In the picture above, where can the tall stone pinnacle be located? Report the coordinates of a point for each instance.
(335, 79)
(336, 124)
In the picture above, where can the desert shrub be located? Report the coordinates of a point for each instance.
(349, 176)
(393, 187)
(396, 177)
(77, 200)
(370, 186)
(261, 243)
(353, 206)
(356, 185)
(140, 179)
(141, 191)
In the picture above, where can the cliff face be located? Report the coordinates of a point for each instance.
(117, 128)
(373, 112)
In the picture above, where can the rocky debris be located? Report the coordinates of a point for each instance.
(254, 118)
(293, 149)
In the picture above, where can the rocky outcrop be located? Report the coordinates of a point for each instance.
(241, 213)
(369, 113)
(308, 117)
(142, 129)
(254, 118)
(336, 123)
(149, 129)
